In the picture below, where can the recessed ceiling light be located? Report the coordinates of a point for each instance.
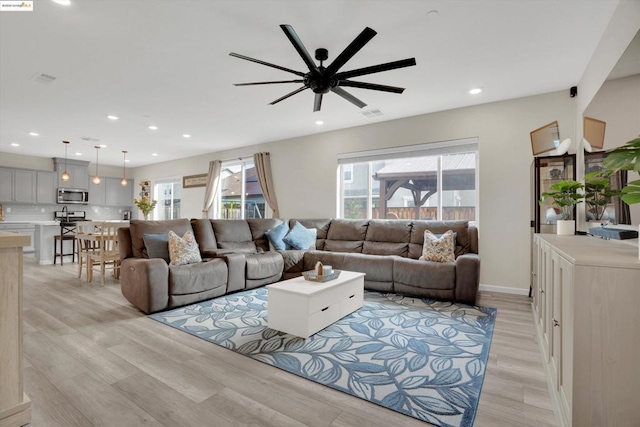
(112, 117)
(103, 146)
(475, 90)
(127, 161)
(62, 2)
(154, 154)
(319, 122)
(15, 144)
(186, 135)
(78, 154)
(34, 133)
(152, 127)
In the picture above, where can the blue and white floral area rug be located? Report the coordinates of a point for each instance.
(423, 358)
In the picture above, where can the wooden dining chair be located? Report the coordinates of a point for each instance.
(106, 254)
(86, 244)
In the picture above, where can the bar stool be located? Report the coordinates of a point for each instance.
(67, 232)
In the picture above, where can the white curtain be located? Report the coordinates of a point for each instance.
(213, 180)
(262, 162)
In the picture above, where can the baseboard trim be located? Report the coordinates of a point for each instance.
(504, 290)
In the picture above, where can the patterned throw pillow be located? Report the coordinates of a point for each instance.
(183, 250)
(438, 249)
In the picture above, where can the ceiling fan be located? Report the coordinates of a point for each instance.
(321, 79)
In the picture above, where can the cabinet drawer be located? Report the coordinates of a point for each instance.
(323, 318)
(350, 304)
(334, 295)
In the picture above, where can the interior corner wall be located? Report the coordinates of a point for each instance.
(305, 178)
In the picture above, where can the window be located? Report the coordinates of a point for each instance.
(239, 194)
(429, 181)
(167, 193)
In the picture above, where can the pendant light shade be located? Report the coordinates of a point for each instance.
(124, 169)
(96, 178)
(65, 175)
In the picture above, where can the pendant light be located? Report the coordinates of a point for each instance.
(96, 178)
(65, 176)
(124, 169)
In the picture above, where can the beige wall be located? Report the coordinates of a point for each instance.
(305, 170)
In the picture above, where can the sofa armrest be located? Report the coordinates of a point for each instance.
(236, 264)
(467, 278)
(145, 283)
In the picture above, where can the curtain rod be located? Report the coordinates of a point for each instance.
(238, 158)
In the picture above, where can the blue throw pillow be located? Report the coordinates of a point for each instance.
(157, 246)
(276, 234)
(301, 238)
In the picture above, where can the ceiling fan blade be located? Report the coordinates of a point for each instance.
(267, 83)
(376, 68)
(257, 61)
(288, 95)
(302, 51)
(372, 86)
(317, 102)
(353, 48)
(346, 95)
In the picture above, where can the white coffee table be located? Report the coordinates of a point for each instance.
(302, 308)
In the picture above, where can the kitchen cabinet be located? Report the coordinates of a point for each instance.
(46, 187)
(18, 185)
(97, 193)
(27, 229)
(117, 194)
(585, 297)
(79, 177)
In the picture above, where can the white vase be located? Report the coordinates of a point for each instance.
(566, 227)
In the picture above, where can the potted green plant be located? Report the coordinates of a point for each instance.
(626, 157)
(565, 196)
(145, 205)
(598, 194)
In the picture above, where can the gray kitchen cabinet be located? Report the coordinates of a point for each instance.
(6, 185)
(117, 194)
(79, 177)
(17, 185)
(97, 193)
(46, 187)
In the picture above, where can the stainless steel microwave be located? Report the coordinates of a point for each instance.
(73, 195)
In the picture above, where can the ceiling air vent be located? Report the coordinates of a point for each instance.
(43, 78)
(88, 138)
(372, 113)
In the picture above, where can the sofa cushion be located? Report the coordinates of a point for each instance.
(183, 250)
(346, 235)
(239, 247)
(157, 246)
(259, 227)
(438, 248)
(275, 236)
(424, 274)
(461, 228)
(203, 230)
(387, 237)
(300, 237)
(193, 278)
(261, 266)
(231, 230)
(138, 228)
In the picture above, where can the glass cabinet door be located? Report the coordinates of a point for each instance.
(548, 171)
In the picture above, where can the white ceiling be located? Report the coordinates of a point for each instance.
(166, 63)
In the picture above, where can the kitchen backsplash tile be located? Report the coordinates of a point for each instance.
(45, 212)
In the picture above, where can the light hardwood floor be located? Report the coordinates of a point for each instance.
(92, 359)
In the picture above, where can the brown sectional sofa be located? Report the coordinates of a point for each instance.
(236, 256)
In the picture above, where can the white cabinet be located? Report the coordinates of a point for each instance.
(585, 298)
(17, 185)
(46, 187)
(21, 228)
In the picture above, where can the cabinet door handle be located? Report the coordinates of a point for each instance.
(352, 296)
(556, 323)
(325, 309)
(542, 291)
